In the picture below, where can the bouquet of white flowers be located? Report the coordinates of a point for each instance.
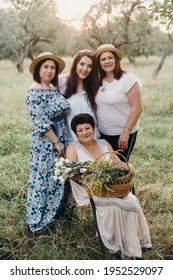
(103, 177)
(65, 169)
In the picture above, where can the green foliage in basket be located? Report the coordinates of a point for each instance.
(102, 174)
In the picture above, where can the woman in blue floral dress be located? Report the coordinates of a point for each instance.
(47, 109)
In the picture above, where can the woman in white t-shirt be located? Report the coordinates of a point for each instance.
(80, 87)
(119, 103)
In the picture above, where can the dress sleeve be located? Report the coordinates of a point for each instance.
(36, 104)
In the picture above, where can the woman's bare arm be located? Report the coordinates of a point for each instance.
(71, 152)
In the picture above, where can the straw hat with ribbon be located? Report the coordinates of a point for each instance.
(47, 55)
(108, 48)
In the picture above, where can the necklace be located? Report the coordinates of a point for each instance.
(109, 80)
(106, 84)
(92, 150)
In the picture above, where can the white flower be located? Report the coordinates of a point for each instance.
(82, 170)
(57, 163)
(61, 159)
(57, 172)
(67, 170)
(61, 179)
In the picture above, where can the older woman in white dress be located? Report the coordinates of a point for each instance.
(122, 224)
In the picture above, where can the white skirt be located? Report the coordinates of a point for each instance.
(122, 224)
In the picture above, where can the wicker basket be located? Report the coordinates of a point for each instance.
(77, 177)
(122, 187)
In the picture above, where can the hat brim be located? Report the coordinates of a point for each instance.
(60, 62)
(109, 49)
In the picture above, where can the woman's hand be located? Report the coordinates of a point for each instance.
(60, 148)
(123, 141)
(131, 170)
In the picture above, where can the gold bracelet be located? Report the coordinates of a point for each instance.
(56, 142)
(128, 129)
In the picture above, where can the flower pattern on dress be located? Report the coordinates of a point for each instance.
(47, 109)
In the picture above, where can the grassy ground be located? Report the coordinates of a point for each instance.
(152, 159)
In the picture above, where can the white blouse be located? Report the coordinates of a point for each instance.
(79, 103)
(113, 107)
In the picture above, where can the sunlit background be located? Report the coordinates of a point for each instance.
(68, 10)
(73, 10)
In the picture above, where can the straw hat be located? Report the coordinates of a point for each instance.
(47, 55)
(108, 48)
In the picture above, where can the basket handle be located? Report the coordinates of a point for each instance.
(116, 153)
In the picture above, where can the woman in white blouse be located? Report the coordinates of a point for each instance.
(80, 87)
(118, 101)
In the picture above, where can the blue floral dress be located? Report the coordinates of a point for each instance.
(47, 109)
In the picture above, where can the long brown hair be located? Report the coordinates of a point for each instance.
(90, 84)
(118, 72)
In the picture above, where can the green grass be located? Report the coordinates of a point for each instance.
(152, 159)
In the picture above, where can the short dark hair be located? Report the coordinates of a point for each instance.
(36, 75)
(81, 119)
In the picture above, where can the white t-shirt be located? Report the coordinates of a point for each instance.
(79, 103)
(113, 106)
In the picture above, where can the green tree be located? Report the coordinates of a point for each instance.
(23, 26)
(126, 24)
(122, 23)
(162, 12)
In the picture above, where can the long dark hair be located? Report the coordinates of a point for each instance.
(118, 72)
(90, 84)
(36, 75)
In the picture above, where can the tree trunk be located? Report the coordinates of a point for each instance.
(19, 66)
(168, 51)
